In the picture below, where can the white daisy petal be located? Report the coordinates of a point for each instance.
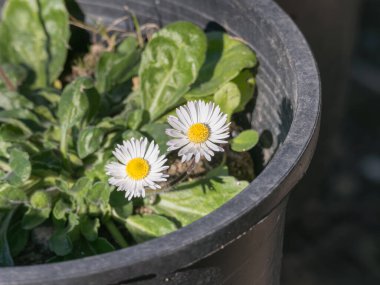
(183, 117)
(213, 146)
(176, 124)
(141, 167)
(174, 133)
(197, 157)
(197, 130)
(193, 112)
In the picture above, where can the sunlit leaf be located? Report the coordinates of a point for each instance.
(225, 58)
(194, 200)
(61, 209)
(246, 83)
(79, 101)
(147, 227)
(169, 64)
(245, 140)
(228, 98)
(35, 33)
(115, 68)
(136, 118)
(12, 100)
(20, 165)
(81, 187)
(38, 212)
(89, 141)
(97, 197)
(16, 74)
(11, 196)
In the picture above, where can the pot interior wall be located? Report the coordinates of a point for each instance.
(275, 96)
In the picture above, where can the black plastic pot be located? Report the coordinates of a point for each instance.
(241, 242)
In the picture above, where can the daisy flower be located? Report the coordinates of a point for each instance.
(139, 167)
(197, 130)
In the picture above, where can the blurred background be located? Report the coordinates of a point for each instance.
(332, 235)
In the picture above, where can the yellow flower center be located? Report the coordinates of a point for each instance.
(198, 133)
(137, 168)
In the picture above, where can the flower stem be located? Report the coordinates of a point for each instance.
(139, 36)
(115, 233)
(172, 184)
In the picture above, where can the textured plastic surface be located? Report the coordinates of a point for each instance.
(287, 106)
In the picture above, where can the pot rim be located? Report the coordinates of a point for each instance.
(210, 233)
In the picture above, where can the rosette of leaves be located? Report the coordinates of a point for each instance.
(55, 142)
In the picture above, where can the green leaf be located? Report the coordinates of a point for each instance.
(124, 211)
(97, 197)
(169, 65)
(61, 208)
(226, 58)
(60, 243)
(75, 160)
(73, 222)
(16, 74)
(35, 33)
(83, 248)
(18, 130)
(121, 206)
(117, 198)
(136, 118)
(27, 117)
(63, 186)
(45, 113)
(115, 68)
(128, 134)
(147, 227)
(96, 169)
(10, 100)
(228, 98)
(81, 187)
(39, 211)
(17, 238)
(246, 83)
(5, 252)
(245, 141)
(4, 146)
(11, 196)
(89, 228)
(101, 245)
(79, 101)
(46, 96)
(194, 200)
(46, 162)
(12, 133)
(156, 132)
(128, 46)
(20, 165)
(89, 141)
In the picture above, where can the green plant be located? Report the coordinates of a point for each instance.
(56, 142)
